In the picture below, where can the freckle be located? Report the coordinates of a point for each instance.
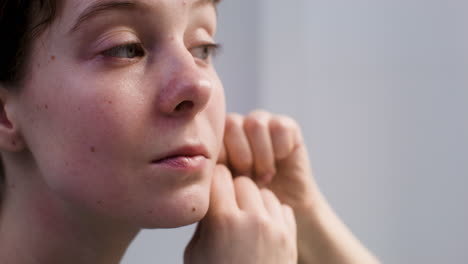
(52, 57)
(99, 202)
(109, 102)
(46, 106)
(194, 209)
(150, 211)
(93, 149)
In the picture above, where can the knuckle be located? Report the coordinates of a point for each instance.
(223, 171)
(283, 122)
(283, 239)
(255, 122)
(266, 192)
(259, 113)
(233, 120)
(224, 218)
(243, 180)
(261, 223)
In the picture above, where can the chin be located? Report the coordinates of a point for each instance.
(183, 208)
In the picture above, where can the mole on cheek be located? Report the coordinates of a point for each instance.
(194, 209)
(92, 149)
(46, 106)
(52, 58)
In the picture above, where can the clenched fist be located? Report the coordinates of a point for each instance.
(244, 224)
(271, 150)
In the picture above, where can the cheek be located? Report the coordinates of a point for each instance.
(79, 138)
(217, 110)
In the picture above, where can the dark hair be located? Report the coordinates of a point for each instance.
(21, 21)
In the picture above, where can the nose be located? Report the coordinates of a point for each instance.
(186, 89)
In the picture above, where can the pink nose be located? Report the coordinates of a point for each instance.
(186, 93)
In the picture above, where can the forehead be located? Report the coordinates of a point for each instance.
(81, 10)
(82, 5)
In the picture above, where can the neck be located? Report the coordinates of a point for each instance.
(38, 227)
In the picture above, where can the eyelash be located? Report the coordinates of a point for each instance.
(134, 50)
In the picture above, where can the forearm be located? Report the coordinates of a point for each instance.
(323, 238)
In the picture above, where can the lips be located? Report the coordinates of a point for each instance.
(186, 157)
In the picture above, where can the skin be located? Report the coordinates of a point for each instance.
(80, 137)
(251, 223)
(271, 150)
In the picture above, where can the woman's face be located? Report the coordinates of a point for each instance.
(123, 111)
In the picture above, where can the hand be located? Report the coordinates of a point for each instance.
(244, 224)
(270, 149)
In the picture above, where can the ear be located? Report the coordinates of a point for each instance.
(10, 136)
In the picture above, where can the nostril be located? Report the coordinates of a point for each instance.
(184, 106)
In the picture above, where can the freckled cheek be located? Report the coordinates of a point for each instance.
(78, 133)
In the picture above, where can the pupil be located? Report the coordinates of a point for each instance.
(131, 51)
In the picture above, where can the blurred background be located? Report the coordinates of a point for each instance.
(381, 91)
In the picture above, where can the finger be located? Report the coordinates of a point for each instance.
(257, 131)
(222, 157)
(272, 205)
(248, 196)
(222, 196)
(289, 219)
(282, 131)
(237, 146)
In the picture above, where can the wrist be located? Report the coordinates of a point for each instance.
(323, 238)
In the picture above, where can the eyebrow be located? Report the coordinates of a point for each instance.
(101, 7)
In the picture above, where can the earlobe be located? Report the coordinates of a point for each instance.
(10, 136)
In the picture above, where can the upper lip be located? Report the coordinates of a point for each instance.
(184, 151)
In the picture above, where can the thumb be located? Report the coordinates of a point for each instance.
(222, 157)
(222, 195)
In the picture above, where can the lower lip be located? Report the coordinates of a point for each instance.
(182, 163)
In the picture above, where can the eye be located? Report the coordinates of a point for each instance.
(205, 52)
(129, 51)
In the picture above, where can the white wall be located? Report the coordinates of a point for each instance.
(380, 88)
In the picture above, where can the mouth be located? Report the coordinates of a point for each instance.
(184, 158)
